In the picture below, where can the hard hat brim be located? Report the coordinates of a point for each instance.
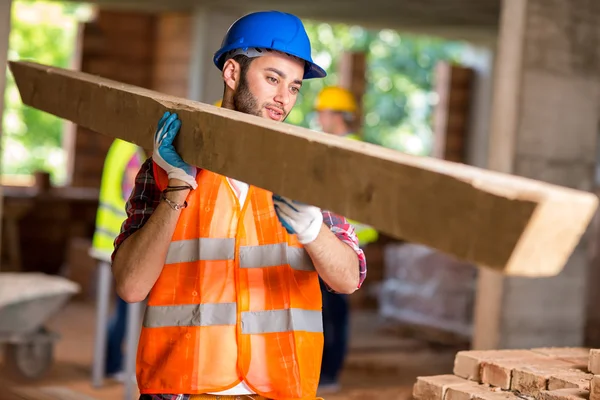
(311, 70)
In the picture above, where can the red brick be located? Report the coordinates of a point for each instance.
(174, 88)
(125, 23)
(580, 363)
(563, 394)
(498, 373)
(528, 375)
(174, 26)
(532, 379)
(434, 387)
(562, 352)
(578, 356)
(179, 50)
(171, 70)
(467, 363)
(495, 395)
(466, 391)
(594, 362)
(569, 379)
(595, 387)
(533, 376)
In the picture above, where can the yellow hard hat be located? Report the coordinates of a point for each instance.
(218, 103)
(336, 98)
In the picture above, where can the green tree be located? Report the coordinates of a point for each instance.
(42, 31)
(398, 101)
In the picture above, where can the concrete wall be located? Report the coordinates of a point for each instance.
(544, 126)
(480, 58)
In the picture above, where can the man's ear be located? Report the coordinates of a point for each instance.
(231, 74)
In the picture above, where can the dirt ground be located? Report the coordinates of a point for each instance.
(379, 366)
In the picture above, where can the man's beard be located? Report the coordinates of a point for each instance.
(244, 101)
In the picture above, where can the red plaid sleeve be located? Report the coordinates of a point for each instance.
(346, 233)
(144, 198)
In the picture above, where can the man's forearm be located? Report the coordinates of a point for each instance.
(141, 257)
(335, 261)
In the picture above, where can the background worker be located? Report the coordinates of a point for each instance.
(231, 271)
(336, 110)
(121, 164)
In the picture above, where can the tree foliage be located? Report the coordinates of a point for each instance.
(42, 31)
(399, 98)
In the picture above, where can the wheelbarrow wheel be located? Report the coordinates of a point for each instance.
(31, 359)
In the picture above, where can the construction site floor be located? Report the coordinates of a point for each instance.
(379, 366)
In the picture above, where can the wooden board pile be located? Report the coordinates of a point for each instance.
(539, 373)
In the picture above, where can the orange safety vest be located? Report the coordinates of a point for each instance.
(238, 299)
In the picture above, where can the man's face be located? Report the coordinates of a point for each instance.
(326, 120)
(270, 87)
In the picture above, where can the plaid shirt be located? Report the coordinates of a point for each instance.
(144, 199)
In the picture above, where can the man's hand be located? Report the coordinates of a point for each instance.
(165, 154)
(297, 218)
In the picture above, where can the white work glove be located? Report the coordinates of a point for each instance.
(165, 154)
(298, 219)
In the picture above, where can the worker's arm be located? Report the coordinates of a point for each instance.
(335, 260)
(139, 256)
(140, 259)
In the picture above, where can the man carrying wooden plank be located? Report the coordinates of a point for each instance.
(232, 271)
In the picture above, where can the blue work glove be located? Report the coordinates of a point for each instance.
(165, 154)
(298, 219)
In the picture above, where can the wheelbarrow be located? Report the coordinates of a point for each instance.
(27, 301)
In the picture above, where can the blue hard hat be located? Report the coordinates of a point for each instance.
(273, 30)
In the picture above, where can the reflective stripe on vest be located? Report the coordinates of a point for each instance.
(106, 233)
(113, 209)
(210, 249)
(273, 321)
(275, 254)
(253, 322)
(205, 249)
(190, 315)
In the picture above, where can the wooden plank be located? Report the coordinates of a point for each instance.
(511, 224)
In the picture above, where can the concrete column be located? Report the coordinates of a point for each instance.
(480, 58)
(209, 28)
(544, 125)
(5, 8)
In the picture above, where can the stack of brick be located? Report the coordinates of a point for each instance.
(539, 373)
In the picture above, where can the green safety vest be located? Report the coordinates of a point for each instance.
(365, 233)
(111, 211)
